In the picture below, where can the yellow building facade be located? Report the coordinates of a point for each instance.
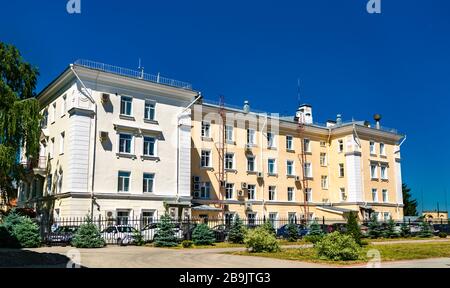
(289, 168)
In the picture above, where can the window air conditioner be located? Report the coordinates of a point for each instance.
(244, 185)
(105, 98)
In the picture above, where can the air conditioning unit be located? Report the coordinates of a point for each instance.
(226, 207)
(260, 175)
(248, 206)
(244, 185)
(105, 98)
(297, 178)
(103, 135)
(110, 214)
(240, 193)
(173, 212)
(196, 194)
(344, 197)
(196, 179)
(248, 146)
(196, 187)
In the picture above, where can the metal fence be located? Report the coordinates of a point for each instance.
(122, 230)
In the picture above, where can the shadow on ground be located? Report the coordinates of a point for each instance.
(16, 258)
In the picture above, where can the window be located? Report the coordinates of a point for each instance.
(273, 219)
(229, 188)
(206, 158)
(61, 143)
(386, 216)
(229, 217)
(323, 159)
(289, 143)
(342, 194)
(149, 111)
(49, 184)
(229, 133)
(205, 190)
(373, 171)
(44, 122)
(124, 181)
(372, 148)
(148, 217)
(308, 170)
(206, 127)
(307, 145)
(322, 143)
(122, 217)
(341, 146)
(251, 189)
(271, 166)
(64, 105)
(60, 182)
(52, 147)
(290, 168)
(251, 163)
(149, 180)
(384, 174)
(324, 182)
(229, 161)
(290, 193)
(125, 143)
(251, 218)
(270, 140)
(272, 192)
(292, 217)
(385, 195)
(53, 112)
(382, 149)
(149, 146)
(125, 105)
(251, 136)
(341, 170)
(374, 195)
(308, 195)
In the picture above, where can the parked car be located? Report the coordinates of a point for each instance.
(221, 232)
(282, 232)
(62, 235)
(120, 234)
(151, 230)
(341, 227)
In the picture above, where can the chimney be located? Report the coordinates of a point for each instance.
(331, 123)
(304, 114)
(338, 119)
(246, 107)
(377, 118)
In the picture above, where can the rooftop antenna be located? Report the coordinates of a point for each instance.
(141, 68)
(298, 92)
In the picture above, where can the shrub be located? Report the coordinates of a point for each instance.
(374, 228)
(165, 235)
(405, 230)
(237, 231)
(337, 246)
(27, 233)
(88, 236)
(313, 238)
(269, 228)
(292, 232)
(426, 230)
(442, 235)
(138, 239)
(261, 240)
(203, 235)
(315, 230)
(353, 228)
(187, 243)
(389, 231)
(6, 239)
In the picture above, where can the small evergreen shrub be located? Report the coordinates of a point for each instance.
(353, 228)
(405, 230)
(269, 228)
(313, 238)
(442, 235)
(261, 240)
(292, 232)
(187, 243)
(27, 233)
(337, 246)
(426, 230)
(203, 235)
(237, 231)
(88, 236)
(375, 230)
(389, 231)
(165, 235)
(138, 239)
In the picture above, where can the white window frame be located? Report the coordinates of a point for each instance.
(385, 195)
(341, 172)
(292, 217)
(205, 190)
(291, 192)
(251, 191)
(131, 105)
(254, 163)
(123, 182)
(308, 195)
(289, 143)
(52, 148)
(374, 193)
(271, 143)
(307, 145)
(64, 105)
(292, 168)
(310, 169)
(385, 176)
(226, 161)
(155, 146)
(152, 190)
(373, 149)
(324, 184)
(323, 159)
(60, 182)
(373, 172)
(272, 189)
(274, 166)
(341, 144)
(382, 149)
(62, 137)
(209, 159)
(251, 136)
(53, 113)
(206, 129)
(342, 193)
(229, 188)
(153, 103)
(229, 133)
(131, 143)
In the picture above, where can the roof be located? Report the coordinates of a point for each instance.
(337, 210)
(205, 208)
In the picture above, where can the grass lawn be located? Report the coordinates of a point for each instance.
(402, 239)
(231, 245)
(388, 252)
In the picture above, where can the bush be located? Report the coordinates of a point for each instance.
(88, 236)
(269, 228)
(203, 235)
(405, 230)
(138, 239)
(261, 240)
(27, 233)
(237, 231)
(313, 238)
(375, 230)
(165, 235)
(426, 230)
(442, 235)
(353, 228)
(315, 230)
(337, 246)
(187, 243)
(292, 232)
(389, 231)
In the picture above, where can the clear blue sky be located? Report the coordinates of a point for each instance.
(349, 61)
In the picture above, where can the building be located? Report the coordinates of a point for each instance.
(435, 215)
(109, 145)
(288, 167)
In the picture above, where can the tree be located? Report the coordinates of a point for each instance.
(410, 204)
(426, 230)
(292, 232)
(165, 235)
(390, 232)
(19, 117)
(237, 231)
(405, 231)
(353, 228)
(88, 236)
(269, 227)
(374, 227)
(203, 235)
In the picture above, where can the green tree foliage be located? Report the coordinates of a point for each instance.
(292, 232)
(426, 230)
(353, 228)
(405, 230)
(18, 231)
(337, 246)
(19, 117)
(389, 231)
(269, 228)
(410, 208)
(375, 230)
(88, 236)
(138, 239)
(315, 233)
(165, 235)
(261, 240)
(237, 231)
(203, 235)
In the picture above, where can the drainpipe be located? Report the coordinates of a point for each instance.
(95, 137)
(262, 163)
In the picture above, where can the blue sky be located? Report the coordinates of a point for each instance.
(396, 63)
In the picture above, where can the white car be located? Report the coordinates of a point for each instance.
(120, 234)
(149, 231)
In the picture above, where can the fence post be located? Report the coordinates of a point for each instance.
(323, 220)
